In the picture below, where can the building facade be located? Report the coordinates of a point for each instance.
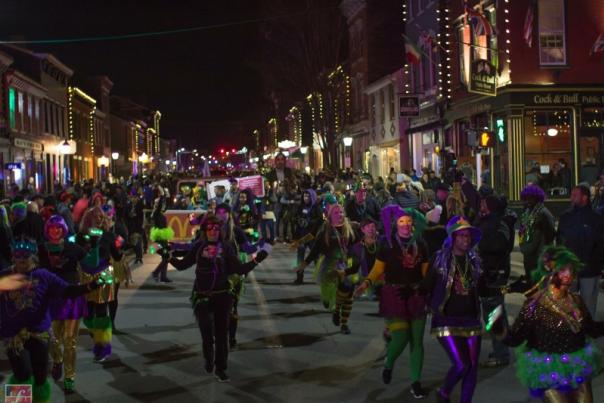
(537, 87)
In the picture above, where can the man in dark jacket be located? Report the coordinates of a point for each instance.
(582, 231)
(494, 251)
(359, 208)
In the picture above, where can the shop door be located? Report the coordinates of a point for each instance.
(591, 162)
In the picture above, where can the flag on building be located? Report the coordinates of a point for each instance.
(480, 24)
(529, 20)
(598, 45)
(413, 53)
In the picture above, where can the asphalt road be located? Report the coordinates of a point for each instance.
(289, 351)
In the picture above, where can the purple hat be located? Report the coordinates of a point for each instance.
(459, 223)
(532, 191)
(55, 221)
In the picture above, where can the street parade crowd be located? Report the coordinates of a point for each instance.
(429, 251)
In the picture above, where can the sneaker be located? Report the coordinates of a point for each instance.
(344, 329)
(387, 375)
(68, 385)
(417, 391)
(100, 358)
(441, 399)
(221, 376)
(209, 367)
(493, 362)
(57, 371)
(335, 318)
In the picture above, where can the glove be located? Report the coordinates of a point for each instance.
(518, 286)
(404, 292)
(106, 276)
(260, 256)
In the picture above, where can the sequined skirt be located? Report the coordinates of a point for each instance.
(392, 305)
(541, 371)
(68, 308)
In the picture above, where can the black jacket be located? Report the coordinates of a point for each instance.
(493, 249)
(582, 231)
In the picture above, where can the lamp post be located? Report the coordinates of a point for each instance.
(114, 156)
(347, 144)
(65, 149)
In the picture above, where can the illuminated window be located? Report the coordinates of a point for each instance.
(464, 36)
(11, 107)
(552, 41)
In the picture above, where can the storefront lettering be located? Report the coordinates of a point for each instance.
(28, 144)
(575, 98)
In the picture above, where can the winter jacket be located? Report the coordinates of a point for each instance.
(582, 231)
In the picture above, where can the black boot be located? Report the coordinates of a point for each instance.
(299, 278)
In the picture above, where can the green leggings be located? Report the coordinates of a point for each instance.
(401, 333)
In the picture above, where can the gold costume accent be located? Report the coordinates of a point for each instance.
(16, 342)
(583, 394)
(446, 331)
(105, 293)
(64, 343)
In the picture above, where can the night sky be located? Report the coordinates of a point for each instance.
(206, 83)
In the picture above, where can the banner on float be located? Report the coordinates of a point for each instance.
(255, 183)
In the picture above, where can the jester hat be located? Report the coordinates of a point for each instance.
(460, 223)
(390, 215)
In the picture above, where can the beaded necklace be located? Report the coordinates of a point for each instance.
(528, 223)
(566, 308)
(370, 248)
(464, 275)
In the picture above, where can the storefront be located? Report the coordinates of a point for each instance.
(385, 158)
(553, 137)
(28, 169)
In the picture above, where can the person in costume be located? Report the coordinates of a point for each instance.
(330, 251)
(97, 319)
(308, 219)
(537, 229)
(114, 243)
(403, 261)
(238, 239)
(555, 356)
(216, 260)
(161, 235)
(246, 213)
(455, 281)
(63, 258)
(365, 251)
(26, 318)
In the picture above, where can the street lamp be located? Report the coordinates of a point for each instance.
(65, 148)
(143, 158)
(115, 156)
(304, 149)
(347, 143)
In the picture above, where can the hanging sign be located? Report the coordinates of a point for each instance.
(483, 78)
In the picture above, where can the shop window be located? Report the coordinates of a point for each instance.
(464, 38)
(382, 95)
(373, 110)
(552, 41)
(392, 101)
(548, 138)
(11, 108)
(590, 144)
(21, 110)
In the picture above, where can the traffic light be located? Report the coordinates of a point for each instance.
(486, 139)
(500, 125)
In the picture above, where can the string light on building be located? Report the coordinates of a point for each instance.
(508, 39)
(312, 111)
(70, 111)
(447, 52)
(404, 10)
(91, 128)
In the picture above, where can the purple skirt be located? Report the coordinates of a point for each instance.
(392, 306)
(68, 308)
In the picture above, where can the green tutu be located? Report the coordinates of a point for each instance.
(542, 371)
(327, 278)
(161, 234)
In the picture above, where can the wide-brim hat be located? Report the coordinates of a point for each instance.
(460, 223)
